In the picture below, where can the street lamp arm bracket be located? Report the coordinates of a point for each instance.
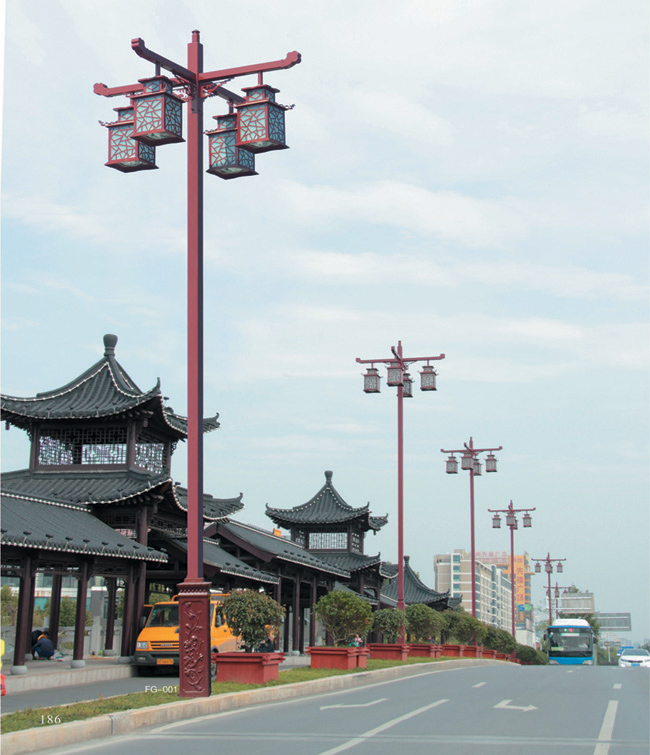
(292, 59)
(139, 48)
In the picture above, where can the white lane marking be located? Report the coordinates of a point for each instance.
(607, 729)
(355, 705)
(570, 672)
(480, 684)
(618, 686)
(505, 704)
(371, 733)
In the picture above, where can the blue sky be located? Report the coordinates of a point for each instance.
(466, 177)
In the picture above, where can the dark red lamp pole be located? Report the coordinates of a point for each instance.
(556, 595)
(548, 568)
(154, 118)
(399, 377)
(470, 461)
(511, 521)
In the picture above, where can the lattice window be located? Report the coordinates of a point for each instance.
(300, 538)
(357, 541)
(328, 541)
(252, 123)
(150, 453)
(82, 446)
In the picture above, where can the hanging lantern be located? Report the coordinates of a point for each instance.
(261, 120)
(394, 374)
(226, 159)
(428, 378)
(466, 461)
(560, 568)
(557, 593)
(548, 567)
(407, 386)
(511, 521)
(527, 519)
(371, 380)
(476, 468)
(496, 522)
(158, 113)
(452, 465)
(490, 463)
(538, 567)
(124, 153)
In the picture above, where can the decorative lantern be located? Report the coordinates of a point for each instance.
(560, 568)
(538, 567)
(549, 567)
(528, 522)
(394, 374)
(452, 465)
(496, 522)
(226, 159)
(371, 381)
(557, 593)
(490, 463)
(476, 468)
(466, 461)
(428, 378)
(124, 153)
(407, 386)
(511, 521)
(261, 120)
(158, 113)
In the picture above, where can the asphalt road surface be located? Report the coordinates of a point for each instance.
(505, 710)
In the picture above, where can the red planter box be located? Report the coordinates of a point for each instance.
(472, 651)
(338, 658)
(248, 668)
(423, 650)
(388, 652)
(503, 657)
(453, 651)
(488, 653)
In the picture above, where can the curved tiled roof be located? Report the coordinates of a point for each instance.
(279, 547)
(353, 562)
(215, 555)
(415, 591)
(326, 507)
(214, 509)
(65, 529)
(105, 390)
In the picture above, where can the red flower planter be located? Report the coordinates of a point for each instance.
(338, 658)
(472, 651)
(503, 657)
(422, 650)
(248, 668)
(489, 653)
(389, 652)
(453, 651)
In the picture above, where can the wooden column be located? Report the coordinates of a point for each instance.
(313, 597)
(23, 620)
(127, 616)
(111, 586)
(296, 614)
(55, 609)
(80, 619)
(278, 600)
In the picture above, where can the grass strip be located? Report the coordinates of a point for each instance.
(38, 717)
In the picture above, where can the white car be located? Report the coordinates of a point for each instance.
(634, 657)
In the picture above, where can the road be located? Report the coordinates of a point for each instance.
(505, 710)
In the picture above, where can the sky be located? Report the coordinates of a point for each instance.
(467, 177)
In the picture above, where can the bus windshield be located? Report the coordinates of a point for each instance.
(570, 642)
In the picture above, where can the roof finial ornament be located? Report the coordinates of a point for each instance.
(109, 345)
(328, 476)
(407, 559)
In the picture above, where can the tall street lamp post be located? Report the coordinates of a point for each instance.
(511, 521)
(153, 117)
(470, 461)
(548, 568)
(399, 377)
(556, 595)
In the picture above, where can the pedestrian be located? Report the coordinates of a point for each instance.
(43, 648)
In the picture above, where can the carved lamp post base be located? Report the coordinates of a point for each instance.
(194, 646)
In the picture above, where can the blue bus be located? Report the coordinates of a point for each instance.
(571, 642)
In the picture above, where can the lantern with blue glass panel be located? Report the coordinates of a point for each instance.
(158, 113)
(227, 160)
(124, 152)
(261, 120)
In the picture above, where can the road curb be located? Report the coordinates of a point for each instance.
(65, 677)
(126, 722)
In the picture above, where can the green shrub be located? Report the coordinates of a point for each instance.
(424, 623)
(391, 622)
(252, 615)
(344, 614)
(499, 640)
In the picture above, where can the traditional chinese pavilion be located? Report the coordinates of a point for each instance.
(415, 591)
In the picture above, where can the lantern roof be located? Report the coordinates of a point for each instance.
(355, 562)
(65, 528)
(326, 507)
(104, 391)
(99, 488)
(415, 591)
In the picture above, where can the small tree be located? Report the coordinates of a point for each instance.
(344, 615)
(468, 629)
(391, 622)
(252, 615)
(499, 640)
(424, 622)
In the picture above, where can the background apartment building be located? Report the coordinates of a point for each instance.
(493, 591)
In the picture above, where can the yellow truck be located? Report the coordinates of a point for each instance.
(157, 644)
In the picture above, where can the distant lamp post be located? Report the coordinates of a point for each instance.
(469, 461)
(511, 521)
(398, 376)
(548, 568)
(556, 595)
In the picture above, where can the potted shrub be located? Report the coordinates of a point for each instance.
(254, 617)
(392, 623)
(345, 615)
(424, 624)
